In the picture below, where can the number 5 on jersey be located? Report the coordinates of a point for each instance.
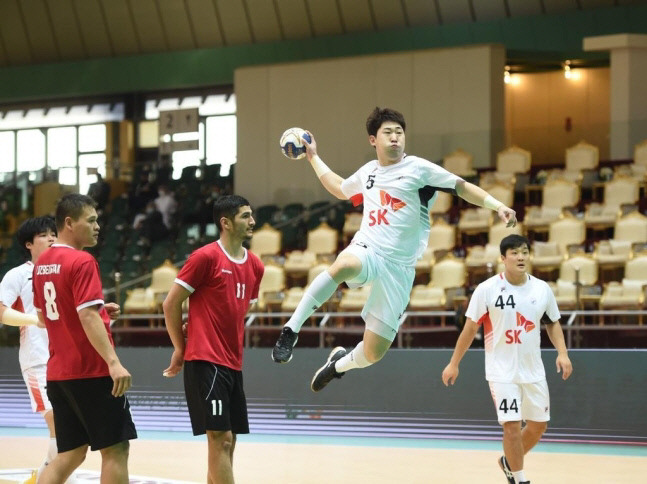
(49, 292)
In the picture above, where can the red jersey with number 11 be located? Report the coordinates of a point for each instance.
(66, 280)
(221, 289)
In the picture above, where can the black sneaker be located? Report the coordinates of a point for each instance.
(327, 372)
(282, 352)
(503, 464)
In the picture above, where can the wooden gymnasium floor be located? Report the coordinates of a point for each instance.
(263, 459)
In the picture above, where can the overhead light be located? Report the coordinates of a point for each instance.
(567, 70)
(506, 75)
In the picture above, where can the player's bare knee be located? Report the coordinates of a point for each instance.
(512, 429)
(537, 428)
(373, 355)
(221, 440)
(117, 451)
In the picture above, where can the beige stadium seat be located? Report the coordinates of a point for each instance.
(546, 257)
(621, 190)
(582, 156)
(565, 294)
(503, 192)
(424, 265)
(481, 262)
(640, 153)
(498, 231)
(450, 272)
(585, 264)
(266, 241)
(296, 266)
(354, 299)
(315, 270)
(631, 227)
(426, 298)
(612, 255)
(322, 240)
(513, 160)
(474, 221)
(600, 217)
(459, 162)
(628, 294)
(636, 268)
(442, 236)
(140, 301)
(271, 287)
(162, 280)
(567, 231)
(292, 298)
(560, 194)
(538, 219)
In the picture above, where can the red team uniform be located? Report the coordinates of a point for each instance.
(221, 290)
(65, 281)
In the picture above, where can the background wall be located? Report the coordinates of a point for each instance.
(451, 98)
(538, 105)
(402, 396)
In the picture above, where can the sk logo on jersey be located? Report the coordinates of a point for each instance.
(395, 203)
(513, 336)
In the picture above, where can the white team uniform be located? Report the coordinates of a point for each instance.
(16, 291)
(394, 231)
(511, 317)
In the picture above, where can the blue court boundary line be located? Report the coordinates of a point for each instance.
(458, 444)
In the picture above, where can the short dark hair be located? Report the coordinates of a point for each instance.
(513, 241)
(227, 206)
(72, 205)
(30, 228)
(380, 115)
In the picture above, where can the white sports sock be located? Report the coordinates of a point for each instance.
(519, 476)
(352, 360)
(320, 289)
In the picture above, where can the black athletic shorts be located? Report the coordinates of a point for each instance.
(215, 398)
(85, 412)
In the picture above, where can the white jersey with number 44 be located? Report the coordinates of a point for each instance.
(511, 317)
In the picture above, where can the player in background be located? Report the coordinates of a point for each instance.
(220, 280)
(34, 236)
(397, 191)
(86, 382)
(510, 306)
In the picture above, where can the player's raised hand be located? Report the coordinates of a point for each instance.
(177, 361)
(564, 365)
(121, 378)
(311, 147)
(450, 374)
(507, 215)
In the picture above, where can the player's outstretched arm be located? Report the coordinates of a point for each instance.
(172, 307)
(450, 373)
(328, 178)
(477, 196)
(11, 317)
(556, 336)
(96, 332)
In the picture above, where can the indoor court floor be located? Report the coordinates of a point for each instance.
(178, 457)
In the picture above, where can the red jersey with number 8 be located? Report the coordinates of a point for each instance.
(66, 280)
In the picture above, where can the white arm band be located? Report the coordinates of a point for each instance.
(12, 317)
(319, 166)
(492, 203)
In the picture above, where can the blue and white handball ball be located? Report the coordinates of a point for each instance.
(292, 144)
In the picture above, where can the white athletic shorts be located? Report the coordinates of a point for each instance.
(521, 401)
(391, 285)
(36, 381)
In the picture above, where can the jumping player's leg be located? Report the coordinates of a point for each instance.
(220, 451)
(369, 351)
(114, 463)
(346, 267)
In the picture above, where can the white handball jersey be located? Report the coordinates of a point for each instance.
(16, 292)
(397, 199)
(511, 317)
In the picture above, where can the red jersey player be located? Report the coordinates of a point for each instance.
(220, 280)
(86, 382)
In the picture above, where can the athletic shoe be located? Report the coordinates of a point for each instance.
(524, 482)
(503, 464)
(326, 373)
(282, 352)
